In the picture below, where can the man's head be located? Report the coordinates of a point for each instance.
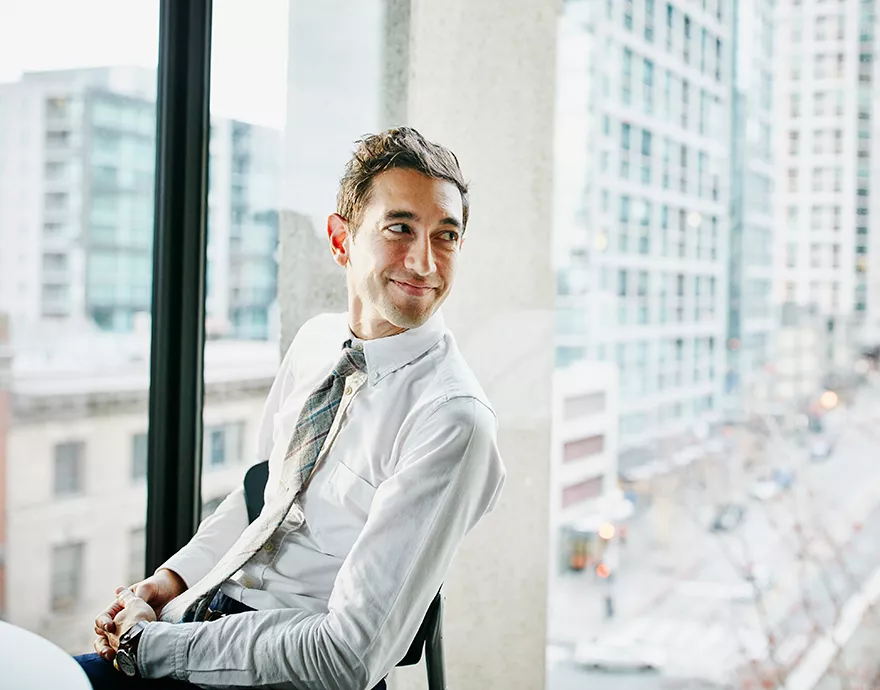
(401, 213)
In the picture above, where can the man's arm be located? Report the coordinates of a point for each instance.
(449, 476)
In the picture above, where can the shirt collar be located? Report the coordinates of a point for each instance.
(386, 355)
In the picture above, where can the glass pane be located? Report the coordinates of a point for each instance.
(731, 532)
(77, 148)
(245, 171)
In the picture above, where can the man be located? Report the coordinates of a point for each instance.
(382, 456)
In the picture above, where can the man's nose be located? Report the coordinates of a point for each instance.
(420, 258)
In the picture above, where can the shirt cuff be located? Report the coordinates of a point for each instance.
(162, 650)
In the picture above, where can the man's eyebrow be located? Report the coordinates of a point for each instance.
(400, 215)
(409, 215)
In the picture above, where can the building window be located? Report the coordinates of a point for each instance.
(817, 180)
(791, 255)
(137, 552)
(648, 86)
(583, 448)
(628, 14)
(670, 26)
(67, 571)
(819, 66)
(583, 491)
(793, 138)
(69, 458)
(821, 24)
(795, 105)
(686, 42)
(223, 444)
(138, 456)
(649, 21)
(792, 179)
(819, 141)
(685, 102)
(717, 59)
(626, 81)
(819, 103)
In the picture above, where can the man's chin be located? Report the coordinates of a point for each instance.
(409, 318)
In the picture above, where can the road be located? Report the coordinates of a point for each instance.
(820, 541)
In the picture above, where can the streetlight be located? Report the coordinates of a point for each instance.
(828, 399)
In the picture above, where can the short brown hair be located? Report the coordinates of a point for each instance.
(401, 147)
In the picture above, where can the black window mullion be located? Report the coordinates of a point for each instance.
(179, 251)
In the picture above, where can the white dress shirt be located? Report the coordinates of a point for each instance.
(413, 468)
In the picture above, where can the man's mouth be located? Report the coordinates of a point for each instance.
(414, 290)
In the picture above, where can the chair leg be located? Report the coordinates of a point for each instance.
(434, 659)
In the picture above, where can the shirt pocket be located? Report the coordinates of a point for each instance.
(345, 501)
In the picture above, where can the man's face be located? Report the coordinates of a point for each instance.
(401, 261)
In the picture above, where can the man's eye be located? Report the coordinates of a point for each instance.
(451, 235)
(398, 228)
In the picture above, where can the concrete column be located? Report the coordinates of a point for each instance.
(481, 81)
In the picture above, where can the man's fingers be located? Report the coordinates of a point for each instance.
(104, 650)
(105, 619)
(125, 596)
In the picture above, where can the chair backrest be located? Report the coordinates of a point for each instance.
(430, 634)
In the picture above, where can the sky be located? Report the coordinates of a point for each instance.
(249, 46)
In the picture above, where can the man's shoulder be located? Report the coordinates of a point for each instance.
(455, 379)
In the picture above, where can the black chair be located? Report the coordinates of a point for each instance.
(430, 634)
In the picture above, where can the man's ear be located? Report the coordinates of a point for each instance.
(337, 235)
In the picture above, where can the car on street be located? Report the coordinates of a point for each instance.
(727, 516)
(613, 654)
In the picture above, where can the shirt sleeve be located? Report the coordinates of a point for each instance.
(219, 531)
(449, 475)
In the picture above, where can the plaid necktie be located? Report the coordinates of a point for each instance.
(303, 450)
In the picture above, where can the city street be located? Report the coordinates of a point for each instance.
(816, 543)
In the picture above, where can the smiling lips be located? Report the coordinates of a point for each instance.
(414, 290)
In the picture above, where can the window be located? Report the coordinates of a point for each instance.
(819, 103)
(670, 26)
(686, 40)
(626, 81)
(792, 180)
(582, 491)
(835, 256)
(818, 141)
(223, 444)
(649, 21)
(819, 66)
(69, 458)
(648, 85)
(793, 138)
(703, 40)
(821, 28)
(717, 59)
(584, 448)
(628, 14)
(139, 456)
(795, 105)
(791, 255)
(584, 405)
(685, 102)
(817, 180)
(67, 576)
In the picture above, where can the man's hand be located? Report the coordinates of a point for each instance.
(156, 591)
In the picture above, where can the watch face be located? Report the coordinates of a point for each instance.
(126, 663)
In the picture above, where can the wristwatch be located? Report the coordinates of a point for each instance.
(126, 655)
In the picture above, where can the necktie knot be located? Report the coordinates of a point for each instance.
(351, 360)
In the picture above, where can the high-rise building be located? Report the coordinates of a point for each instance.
(824, 110)
(642, 179)
(77, 160)
(751, 316)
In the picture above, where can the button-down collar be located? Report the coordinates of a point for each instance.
(386, 355)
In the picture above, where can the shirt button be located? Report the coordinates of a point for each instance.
(348, 390)
(269, 546)
(358, 347)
